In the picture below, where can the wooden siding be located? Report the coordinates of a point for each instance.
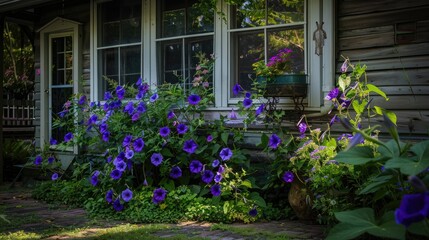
(392, 38)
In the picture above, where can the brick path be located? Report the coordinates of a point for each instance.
(18, 203)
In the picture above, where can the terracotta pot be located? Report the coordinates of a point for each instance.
(300, 200)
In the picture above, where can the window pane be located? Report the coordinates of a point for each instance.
(292, 39)
(110, 33)
(250, 48)
(171, 62)
(200, 17)
(131, 30)
(58, 95)
(250, 14)
(195, 47)
(130, 64)
(109, 68)
(173, 23)
(283, 12)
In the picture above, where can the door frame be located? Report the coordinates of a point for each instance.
(58, 26)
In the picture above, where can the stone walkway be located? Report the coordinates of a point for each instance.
(38, 217)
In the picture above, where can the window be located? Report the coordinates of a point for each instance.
(185, 28)
(259, 29)
(119, 43)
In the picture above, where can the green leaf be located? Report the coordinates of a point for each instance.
(356, 156)
(359, 107)
(264, 140)
(376, 184)
(373, 88)
(344, 81)
(226, 207)
(246, 183)
(166, 152)
(388, 228)
(419, 228)
(412, 165)
(343, 231)
(224, 136)
(195, 189)
(258, 199)
(361, 216)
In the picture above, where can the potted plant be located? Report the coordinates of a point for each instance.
(276, 77)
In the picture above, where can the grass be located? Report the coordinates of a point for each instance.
(251, 232)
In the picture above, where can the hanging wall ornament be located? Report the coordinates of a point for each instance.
(319, 37)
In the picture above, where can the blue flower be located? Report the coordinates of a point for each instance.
(139, 81)
(156, 159)
(153, 98)
(207, 176)
(94, 180)
(236, 89)
(68, 137)
(247, 95)
(93, 119)
(164, 132)
(209, 138)
(232, 115)
(182, 128)
(247, 103)
(225, 154)
(82, 100)
(195, 166)
(127, 195)
(121, 166)
(51, 159)
(332, 94)
(107, 96)
(170, 115)
(129, 154)
(274, 141)
(38, 160)
(216, 190)
(135, 117)
(116, 174)
(141, 108)
(53, 141)
(218, 177)
(105, 136)
(194, 99)
(127, 140)
(103, 127)
(215, 163)
(260, 109)
(109, 196)
(413, 208)
(117, 205)
(54, 176)
(159, 195)
(190, 146)
(129, 108)
(175, 172)
(288, 176)
(253, 212)
(302, 127)
(138, 145)
(120, 92)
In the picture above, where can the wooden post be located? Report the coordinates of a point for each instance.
(2, 17)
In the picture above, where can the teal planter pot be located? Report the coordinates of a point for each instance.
(290, 85)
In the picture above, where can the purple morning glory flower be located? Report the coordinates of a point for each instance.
(253, 212)
(334, 120)
(302, 128)
(105, 136)
(129, 154)
(332, 94)
(116, 174)
(93, 119)
(127, 140)
(141, 108)
(51, 159)
(356, 139)
(218, 177)
(344, 66)
(215, 163)
(207, 176)
(153, 98)
(117, 205)
(247, 95)
(82, 100)
(38, 160)
(138, 145)
(236, 89)
(120, 92)
(107, 96)
(221, 169)
(139, 81)
(53, 141)
(288, 176)
(274, 141)
(182, 128)
(129, 108)
(135, 117)
(68, 137)
(156, 159)
(225, 154)
(247, 103)
(194, 99)
(159, 195)
(127, 195)
(121, 166)
(175, 172)
(120, 157)
(94, 180)
(215, 190)
(164, 132)
(109, 196)
(54, 176)
(413, 208)
(260, 109)
(190, 146)
(170, 115)
(209, 138)
(195, 166)
(103, 127)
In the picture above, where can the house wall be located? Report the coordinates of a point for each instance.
(392, 38)
(78, 11)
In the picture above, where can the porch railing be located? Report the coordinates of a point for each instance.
(18, 112)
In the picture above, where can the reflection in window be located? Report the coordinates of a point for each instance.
(279, 24)
(119, 43)
(178, 22)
